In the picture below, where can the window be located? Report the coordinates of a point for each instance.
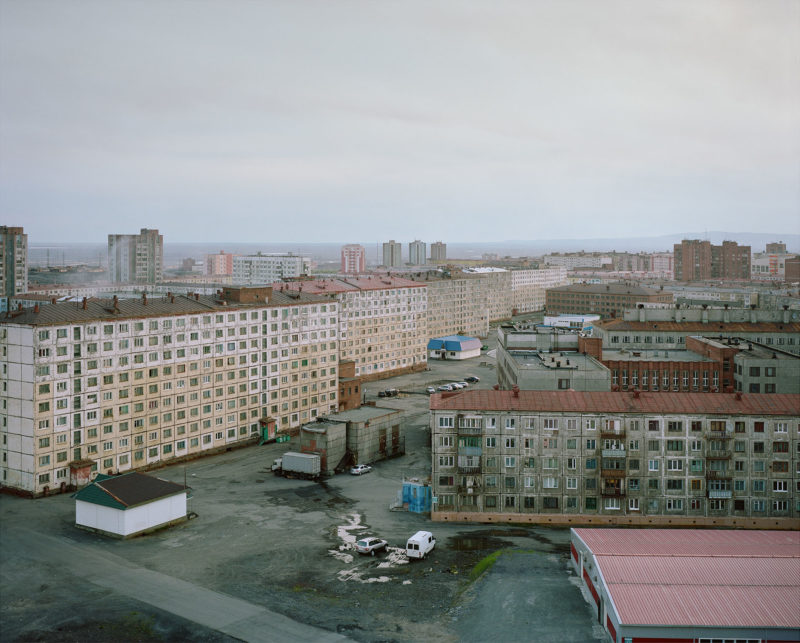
(446, 461)
(674, 465)
(446, 422)
(491, 443)
(780, 486)
(652, 465)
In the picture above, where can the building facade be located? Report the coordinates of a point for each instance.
(416, 253)
(503, 454)
(528, 287)
(609, 300)
(13, 261)
(392, 254)
(697, 260)
(438, 252)
(220, 264)
(136, 258)
(458, 304)
(354, 259)
(382, 322)
(261, 269)
(132, 383)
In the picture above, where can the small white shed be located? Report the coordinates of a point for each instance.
(129, 505)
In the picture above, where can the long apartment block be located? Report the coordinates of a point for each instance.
(501, 454)
(382, 321)
(131, 383)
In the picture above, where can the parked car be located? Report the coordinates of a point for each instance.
(455, 386)
(429, 390)
(391, 392)
(444, 387)
(359, 469)
(420, 544)
(463, 384)
(381, 393)
(370, 545)
(472, 378)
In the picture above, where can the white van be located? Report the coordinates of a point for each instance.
(420, 544)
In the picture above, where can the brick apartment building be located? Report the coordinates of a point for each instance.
(697, 260)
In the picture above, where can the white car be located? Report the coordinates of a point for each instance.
(430, 390)
(370, 545)
(463, 384)
(445, 387)
(456, 386)
(359, 469)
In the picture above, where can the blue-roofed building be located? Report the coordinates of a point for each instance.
(454, 347)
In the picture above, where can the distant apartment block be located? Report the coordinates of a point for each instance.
(607, 300)
(392, 254)
(697, 260)
(500, 296)
(416, 253)
(654, 328)
(136, 258)
(578, 260)
(528, 287)
(13, 261)
(382, 321)
(219, 264)
(438, 252)
(514, 455)
(123, 384)
(354, 259)
(261, 269)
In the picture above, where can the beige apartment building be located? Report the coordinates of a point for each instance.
(457, 305)
(528, 287)
(499, 294)
(130, 383)
(382, 321)
(514, 455)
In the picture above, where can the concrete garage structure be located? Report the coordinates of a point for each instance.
(691, 585)
(129, 505)
(454, 347)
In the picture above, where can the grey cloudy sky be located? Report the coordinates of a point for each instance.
(368, 120)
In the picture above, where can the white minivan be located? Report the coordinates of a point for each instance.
(420, 544)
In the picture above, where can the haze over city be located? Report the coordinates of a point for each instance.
(317, 121)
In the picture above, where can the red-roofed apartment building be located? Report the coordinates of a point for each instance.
(564, 457)
(691, 585)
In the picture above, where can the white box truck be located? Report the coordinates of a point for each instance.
(298, 465)
(420, 544)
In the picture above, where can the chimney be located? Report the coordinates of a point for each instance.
(636, 394)
(515, 390)
(738, 395)
(197, 296)
(144, 299)
(496, 387)
(36, 311)
(52, 300)
(83, 303)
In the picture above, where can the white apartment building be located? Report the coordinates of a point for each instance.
(13, 261)
(261, 269)
(498, 455)
(136, 258)
(416, 253)
(128, 384)
(577, 260)
(382, 321)
(499, 291)
(528, 287)
(457, 305)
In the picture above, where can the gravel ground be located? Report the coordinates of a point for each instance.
(286, 545)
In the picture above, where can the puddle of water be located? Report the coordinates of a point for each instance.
(473, 542)
(338, 555)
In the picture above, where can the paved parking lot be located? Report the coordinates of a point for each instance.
(271, 559)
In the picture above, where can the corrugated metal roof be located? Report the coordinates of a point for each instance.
(617, 402)
(127, 490)
(700, 578)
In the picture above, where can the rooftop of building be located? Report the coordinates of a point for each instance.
(102, 310)
(558, 361)
(617, 402)
(699, 577)
(336, 285)
(608, 289)
(663, 355)
(127, 490)
(362, 414)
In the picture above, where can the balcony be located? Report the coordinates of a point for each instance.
(719, 435)
(469, 490)
(612, 493)
(720, 493)
(612, 473)
(613, 453)
(612, 435)
(718, 454)
(470, 430)
(469, 470)
(719, 475)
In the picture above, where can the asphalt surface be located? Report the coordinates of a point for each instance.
(271, 559)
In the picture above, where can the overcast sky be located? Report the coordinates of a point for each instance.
(368, 120)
